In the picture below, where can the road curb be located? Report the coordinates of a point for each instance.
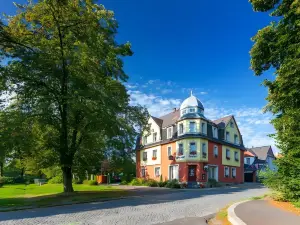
(232, 217)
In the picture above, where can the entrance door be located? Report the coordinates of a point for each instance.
(192, 176)
(213, 172)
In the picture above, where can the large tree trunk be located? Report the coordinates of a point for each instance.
(67, 179)
(1, 169)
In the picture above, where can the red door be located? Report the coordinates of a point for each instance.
(192, 173)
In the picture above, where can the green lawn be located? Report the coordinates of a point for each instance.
(15, 196)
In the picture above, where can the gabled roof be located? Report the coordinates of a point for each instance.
(261, 152)
(157, 120)
(222, 122)
(170, 118)
(248, 154)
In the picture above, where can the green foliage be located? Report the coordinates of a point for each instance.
(77, 181)
(173, 184)
(66, 72)
(52, 171)
(86, 182)
(277, 47)
(152, 183)
(160, 178)
(212, 182)
(138, 182)
(162, 183)
(56, 180)
(92, 182)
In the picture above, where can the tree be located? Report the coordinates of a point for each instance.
(277, 47)
(66, 71)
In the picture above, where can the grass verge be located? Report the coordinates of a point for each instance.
(13, 197)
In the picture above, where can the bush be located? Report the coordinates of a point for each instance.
(152, 183)
(138, 182)
(173, 184)
(93, 182)
(126, 178)
(56, 180)
(162, 183)
(77, 181)
(8, 180)
(212, 182)
(124, 182)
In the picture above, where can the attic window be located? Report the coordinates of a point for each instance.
(192, 110)
(231, 124)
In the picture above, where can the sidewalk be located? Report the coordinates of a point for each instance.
(260, 212)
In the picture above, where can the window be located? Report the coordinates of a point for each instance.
(203, 128)
(181, 128)
(169, 150)
(215, 150)
(227, 154)
(144, 140)
(215, 132)
(184, 111)
(236, 140)
(154, 154)
(204, 151)
(226, 171)
(231, 124)
(233, 172)
(157, 171)
(144, 156)
(193, 149)
(192, 110)
(143, 172)
(192, 127)
(180, 149)
(169, 132)
(236, 156)
(248, 161)
(154, 137)
(173, 172)
(227, 136)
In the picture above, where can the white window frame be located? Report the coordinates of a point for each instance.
(233, 169)
(227, 138)
(179, 148)
(154, 150)
(236, 139)
(228, 150)
(169, 132)
(154, 135)
(144, 140)
(215, 132)
(169, 171)
(145, 153)
(216, 150)
(203, 128)
(193, 142)
(247, 161)
(226, 167)
(155, 171)
(192, 110)
(169, 147)
(236, 156)
(179, 126)
(195, 126)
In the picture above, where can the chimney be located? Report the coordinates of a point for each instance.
(174, 109)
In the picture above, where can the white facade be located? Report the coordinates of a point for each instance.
(150, 160)
(148, 138)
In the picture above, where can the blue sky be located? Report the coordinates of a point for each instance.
(193, 45)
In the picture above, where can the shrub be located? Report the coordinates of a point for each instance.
(162, 183)
(124, 182)
(212, 182)
(152, 183)
(138, 182)
(77, 181)
(56, 180)
(8, 180)
(93, 182)
(173, 184)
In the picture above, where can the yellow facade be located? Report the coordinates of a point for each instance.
(232, 131)
(186, 124)
(231, 161)
(186, 150)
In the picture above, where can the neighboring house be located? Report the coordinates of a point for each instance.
(257, 159)
(187, 146)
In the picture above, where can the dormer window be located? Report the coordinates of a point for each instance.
(215, 132)
(169, 132)
(203, 128)
(192, 110)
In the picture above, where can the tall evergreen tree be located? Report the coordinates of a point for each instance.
(65, 69)
(277, 47)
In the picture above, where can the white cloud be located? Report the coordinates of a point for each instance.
(203, 93)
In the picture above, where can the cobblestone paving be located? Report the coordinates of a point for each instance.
(151, 208)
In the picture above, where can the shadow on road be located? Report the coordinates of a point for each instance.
(143, 196)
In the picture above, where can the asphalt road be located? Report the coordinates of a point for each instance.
(152, 207)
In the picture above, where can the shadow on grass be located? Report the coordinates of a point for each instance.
(144, 196)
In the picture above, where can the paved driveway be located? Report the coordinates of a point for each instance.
(153, 207)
